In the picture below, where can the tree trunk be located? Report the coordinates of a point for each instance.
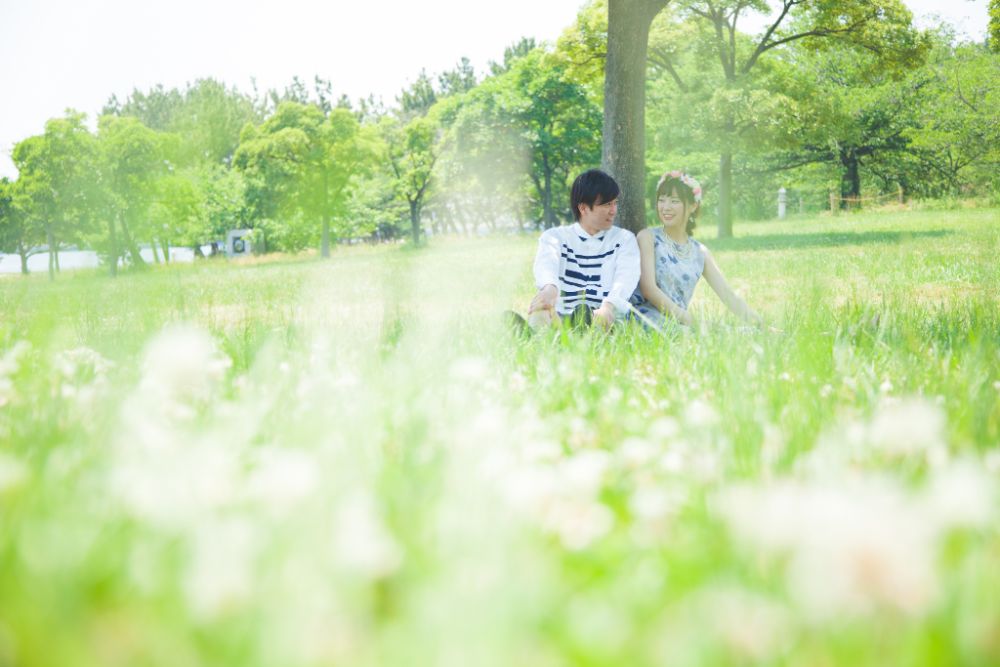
(415, 220)
(154, 250)
(725, 195)
(547, 213)
(850, 180)
(624, 140)
(324, 243)
(52, 253)
(165, 249)
(23, 253)
(133, 250)
(114, 253)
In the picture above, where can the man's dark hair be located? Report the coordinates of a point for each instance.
(590, 188)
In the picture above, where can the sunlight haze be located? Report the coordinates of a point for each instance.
(56, 54)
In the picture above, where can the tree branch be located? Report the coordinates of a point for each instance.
(790, 165)
(717, 19)
(731, 27)
(787, 5)
(817, 32)
(958, 91)
(659, 58)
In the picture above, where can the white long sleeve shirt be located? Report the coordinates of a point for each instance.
(588, 269)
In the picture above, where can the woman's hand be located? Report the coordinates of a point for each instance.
(682, 316)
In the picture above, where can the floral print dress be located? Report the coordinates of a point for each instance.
(677, 273)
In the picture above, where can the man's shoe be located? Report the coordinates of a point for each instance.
(581, 317)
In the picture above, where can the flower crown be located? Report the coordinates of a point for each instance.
(686, 180)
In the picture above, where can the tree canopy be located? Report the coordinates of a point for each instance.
(827, 96)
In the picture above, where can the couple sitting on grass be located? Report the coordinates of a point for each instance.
(587, 272)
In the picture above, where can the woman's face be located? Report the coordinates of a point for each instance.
(673, 211)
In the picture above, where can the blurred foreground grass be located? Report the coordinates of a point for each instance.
(352, 462)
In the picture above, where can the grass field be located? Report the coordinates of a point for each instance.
(352, 462)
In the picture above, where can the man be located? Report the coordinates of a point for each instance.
(587, 270)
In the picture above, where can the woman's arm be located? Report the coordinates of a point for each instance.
(713, 275)
(647, 280)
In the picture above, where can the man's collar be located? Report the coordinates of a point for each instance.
(584, 236)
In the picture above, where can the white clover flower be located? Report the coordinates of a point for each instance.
(580, 433)
(12, 471)
(282, 477)
(908, 428)
(699, 414)
(773, 446)
(469, 369)
(170, 482)
(164, 471)
(638, 453)
(706, 465)
(855, 546)
(83, 375)
(655, 503)
(10, 362)
(221, 573)
(484, 425)
(961, 495)
(992, 461)
(541, 451)
(71, 364)
(561, 496)
(664, 428)
(346, 380)
(612, 396)
(577, 522)
(181, 367)
(529, 488)
(674, 461)
(749, 625)
(872, 565)
(911, 426)
(361, 542)
(583, 473)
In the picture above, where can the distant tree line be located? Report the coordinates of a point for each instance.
(846, 97)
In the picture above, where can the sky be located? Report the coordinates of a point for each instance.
(59, 54)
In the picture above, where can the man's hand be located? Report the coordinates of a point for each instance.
(605, 315)
(544, 300)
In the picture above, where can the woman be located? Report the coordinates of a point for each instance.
(671, 262)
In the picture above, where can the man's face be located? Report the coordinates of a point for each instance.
(599, 217)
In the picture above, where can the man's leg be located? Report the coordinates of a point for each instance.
(516, 323)
(542, 311)
(541, 319)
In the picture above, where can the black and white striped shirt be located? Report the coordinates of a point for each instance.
(588, 269)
